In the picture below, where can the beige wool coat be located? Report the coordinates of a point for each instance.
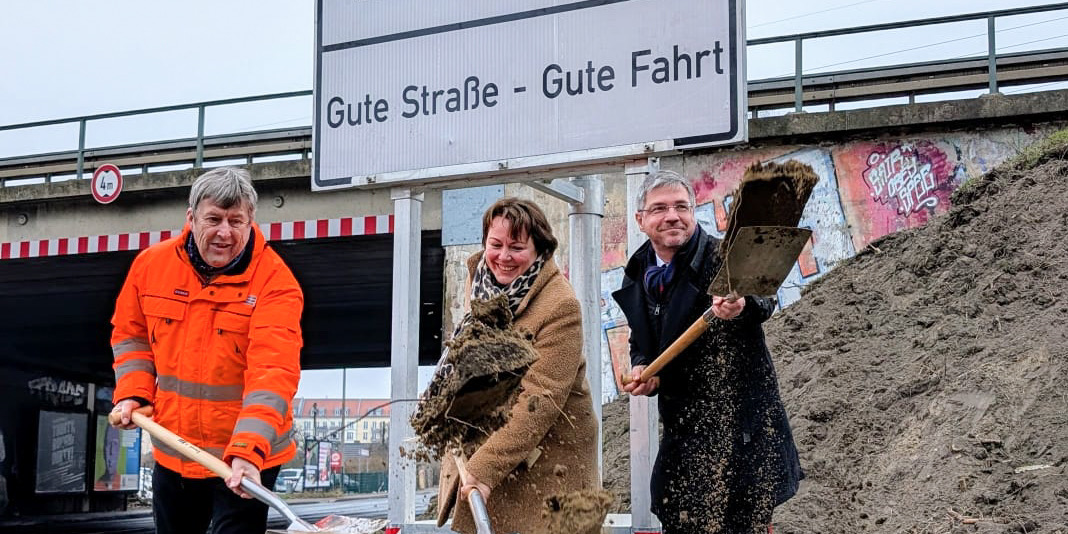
(548, 447)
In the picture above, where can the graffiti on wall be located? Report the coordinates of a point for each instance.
(907, 176)
(615, 336)
(58, 392)
(3, 481)
(892, 186)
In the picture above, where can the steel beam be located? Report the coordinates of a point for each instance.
(560, 188)
(585, 271)
(404, 351)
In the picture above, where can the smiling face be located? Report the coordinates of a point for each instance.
(670, 230)
(220, 234)
(507, 258)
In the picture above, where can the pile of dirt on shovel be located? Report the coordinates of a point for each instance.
(927, 377)
(472, 393)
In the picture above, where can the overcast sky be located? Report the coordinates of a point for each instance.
(64, 58)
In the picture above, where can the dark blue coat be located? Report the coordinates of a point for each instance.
(726, 442)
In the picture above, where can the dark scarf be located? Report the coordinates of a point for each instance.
(207, 272)
(658, 278)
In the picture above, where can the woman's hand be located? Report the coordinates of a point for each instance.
(473, 484)
(121, 415)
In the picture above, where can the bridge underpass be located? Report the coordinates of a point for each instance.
(35, 185)
(47, 288)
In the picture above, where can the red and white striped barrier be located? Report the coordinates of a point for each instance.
(278, 231)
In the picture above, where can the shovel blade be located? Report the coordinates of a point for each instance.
(759, 260)
(350, 525)
(481, 392)
(301, 526)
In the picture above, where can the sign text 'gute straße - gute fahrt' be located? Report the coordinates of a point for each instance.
(556, 81)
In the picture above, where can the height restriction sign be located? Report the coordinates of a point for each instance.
(107, 183)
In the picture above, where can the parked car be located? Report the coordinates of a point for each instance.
(289, 481)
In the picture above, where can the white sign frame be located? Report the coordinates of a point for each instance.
(437, 93)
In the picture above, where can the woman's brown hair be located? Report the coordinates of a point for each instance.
(525, 218)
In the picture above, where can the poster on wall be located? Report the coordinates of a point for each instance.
(118, 457)
(61, 447)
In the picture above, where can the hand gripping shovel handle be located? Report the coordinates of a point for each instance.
(474, 497)
(685, 340)
(219, 467)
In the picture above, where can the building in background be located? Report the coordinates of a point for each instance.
(365, 421)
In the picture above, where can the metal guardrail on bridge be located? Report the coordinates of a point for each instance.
(992, 59)
(825, 88)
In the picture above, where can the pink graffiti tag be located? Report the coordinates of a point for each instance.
(907, 174)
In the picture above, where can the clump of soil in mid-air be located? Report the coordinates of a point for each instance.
(577, 512)
(925, 377)
(769, 194)
(475, 386)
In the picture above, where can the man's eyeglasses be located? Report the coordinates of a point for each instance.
(681, 208)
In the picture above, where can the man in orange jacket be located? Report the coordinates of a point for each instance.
(207, 336)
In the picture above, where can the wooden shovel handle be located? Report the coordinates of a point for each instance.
(461, 466)
(172, 440)
(685, 340)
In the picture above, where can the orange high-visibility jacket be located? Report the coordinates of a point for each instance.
(220, 362)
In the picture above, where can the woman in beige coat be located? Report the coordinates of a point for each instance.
(548, 447)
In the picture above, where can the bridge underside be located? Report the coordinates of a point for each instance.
(56, 313)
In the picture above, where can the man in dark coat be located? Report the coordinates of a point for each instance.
(727, 455)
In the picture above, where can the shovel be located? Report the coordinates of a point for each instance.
(476, 383)
(757, 263)
(477, 394)
(474, 497)
(220, 468)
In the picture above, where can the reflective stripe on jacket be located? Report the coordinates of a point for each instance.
(220, 362)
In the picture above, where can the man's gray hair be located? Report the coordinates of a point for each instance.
(225, 186)
(664, 178)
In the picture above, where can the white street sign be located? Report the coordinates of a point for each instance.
(429, 91)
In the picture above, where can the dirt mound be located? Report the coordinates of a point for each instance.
(926, 377)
